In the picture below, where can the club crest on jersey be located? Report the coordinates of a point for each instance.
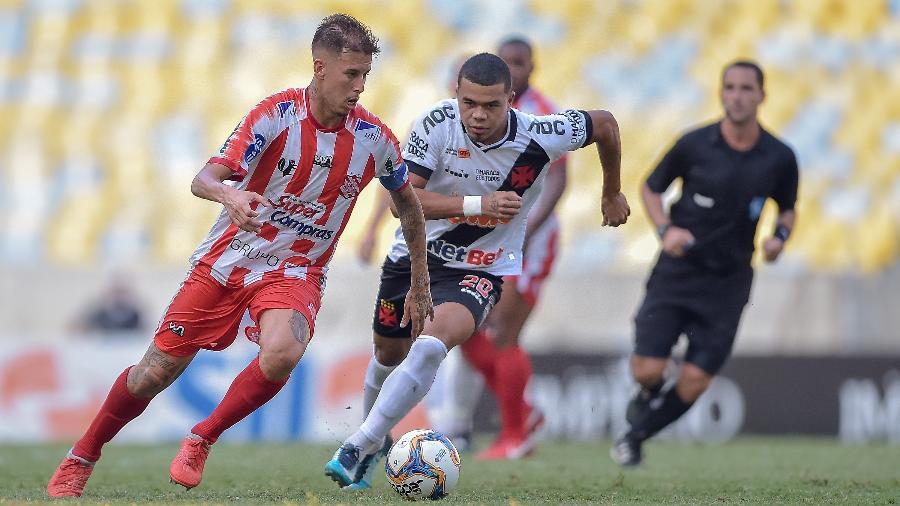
(369, 131)
(350, 187)
(522, 177)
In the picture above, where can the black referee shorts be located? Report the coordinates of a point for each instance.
(477, 291)
(685, 299)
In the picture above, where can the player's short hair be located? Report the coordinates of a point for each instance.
(342, 32)
(485, 69)
(747, 64)
(515, 40)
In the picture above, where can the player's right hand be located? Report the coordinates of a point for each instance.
(241, 205)
(504, 205)
(677, 241)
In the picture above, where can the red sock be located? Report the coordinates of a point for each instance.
(249, 390)
(513, 370)
(119, 408)
(480, 351)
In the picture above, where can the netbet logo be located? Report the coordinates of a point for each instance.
(453, 253)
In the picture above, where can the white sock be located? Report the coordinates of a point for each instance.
(464, 387)
(401, 391)
(376, 373)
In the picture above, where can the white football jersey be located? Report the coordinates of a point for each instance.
(439, 150)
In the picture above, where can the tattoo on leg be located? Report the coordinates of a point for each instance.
(299, 328)
(157, 359)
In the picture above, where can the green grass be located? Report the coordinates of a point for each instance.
(747, 471)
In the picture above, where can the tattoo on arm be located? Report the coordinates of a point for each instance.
(299, 328)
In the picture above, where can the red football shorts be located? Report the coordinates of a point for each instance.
(206, 314)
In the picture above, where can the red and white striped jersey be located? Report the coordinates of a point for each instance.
(311, 174)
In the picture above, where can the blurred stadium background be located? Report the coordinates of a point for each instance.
(109, 108)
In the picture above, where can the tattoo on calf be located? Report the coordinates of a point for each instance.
(156, 359)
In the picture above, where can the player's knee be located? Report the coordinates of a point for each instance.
(646, 371)
(390, 355)
(692, 382)
(146, 382)
(277, 364)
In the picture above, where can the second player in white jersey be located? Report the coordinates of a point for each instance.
(440, 150)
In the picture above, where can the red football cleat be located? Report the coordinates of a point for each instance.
(70, 477)
(187, 467)
(508, 447)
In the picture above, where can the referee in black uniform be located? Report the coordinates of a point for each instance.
(701, 281)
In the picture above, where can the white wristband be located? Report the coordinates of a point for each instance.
(472, 205)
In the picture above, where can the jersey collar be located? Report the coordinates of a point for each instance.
(512, 125)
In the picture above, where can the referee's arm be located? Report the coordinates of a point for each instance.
(785, 195)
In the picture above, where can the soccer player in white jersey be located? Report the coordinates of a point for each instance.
(478, 167)
(494, 349)
(300, 158)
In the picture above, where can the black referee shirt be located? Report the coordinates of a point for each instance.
(723, 192)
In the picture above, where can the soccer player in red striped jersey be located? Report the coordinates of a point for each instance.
(300, 158)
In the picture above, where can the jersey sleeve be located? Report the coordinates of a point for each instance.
(426, 137)
(252, 136)
(390, 168)
(561, 132)
(785, 192)
(673, 165)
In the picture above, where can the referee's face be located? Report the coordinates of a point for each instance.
(741, 95)
(484, 110)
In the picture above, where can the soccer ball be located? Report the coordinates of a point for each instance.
(423, 464)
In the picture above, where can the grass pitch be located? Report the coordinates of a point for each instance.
(749, 470)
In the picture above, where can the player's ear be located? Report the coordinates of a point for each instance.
(511, 96)
(319, 68)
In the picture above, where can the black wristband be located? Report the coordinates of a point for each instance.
(782, 232)
(661, 230)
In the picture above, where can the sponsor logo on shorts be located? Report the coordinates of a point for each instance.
(177, 328)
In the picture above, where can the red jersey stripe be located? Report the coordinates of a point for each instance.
(343, 149)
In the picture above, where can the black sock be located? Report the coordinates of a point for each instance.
(640, 403)
(652, 391)
(656, 418)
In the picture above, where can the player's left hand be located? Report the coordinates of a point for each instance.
(772, 248)
(418, 304)
(615, 209)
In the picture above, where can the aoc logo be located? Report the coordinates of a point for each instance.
(254, 149)
(437, 116)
